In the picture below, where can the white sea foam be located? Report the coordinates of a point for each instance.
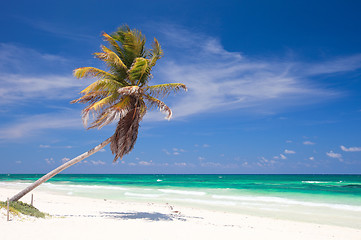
(182, 192)
(210, 202)
(142, 195)
(67, 186)
(15, 183)
(285, 201)
(314, 182)
(159, 180)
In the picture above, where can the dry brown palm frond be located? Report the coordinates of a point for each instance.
(105, 118)
(126, 132)
(156, 103)
(108, 113)
(131, 90)
(156, 53)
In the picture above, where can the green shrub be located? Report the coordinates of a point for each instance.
(24, 208)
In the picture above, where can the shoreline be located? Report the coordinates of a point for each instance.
(317, 208)
(91, 218)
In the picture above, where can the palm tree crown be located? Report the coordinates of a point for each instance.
(123, 92)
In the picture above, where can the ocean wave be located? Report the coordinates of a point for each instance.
(352, 186)
(14, 183)
(285, 201)
(142, 195)
(67, 186)
(210, 202)
(182, 192)
(314, 182)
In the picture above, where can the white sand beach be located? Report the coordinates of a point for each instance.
(87, 218)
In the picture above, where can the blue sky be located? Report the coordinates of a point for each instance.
(274, 86)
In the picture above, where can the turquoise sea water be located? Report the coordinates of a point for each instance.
(330, 199)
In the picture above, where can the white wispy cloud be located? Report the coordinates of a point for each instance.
(174, 151)
(166, 151)
(30, 125)
(50, 146)
(219, 80)
(44, 146)
(65, 159)
(17, 89)
(308, 143)
(145, 163)
(281, 156)
(337, 65)
(181, 164)
(212, 164)
(26, 75)
(351, 149)
(335, 155)
(19, 59)
(289, 151)
(264, 162)
(49, 160)
(59, 30)
(178, 150)
(98, 162)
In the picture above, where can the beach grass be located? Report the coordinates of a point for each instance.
(20, 207)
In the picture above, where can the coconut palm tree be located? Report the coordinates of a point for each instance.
(122, 93)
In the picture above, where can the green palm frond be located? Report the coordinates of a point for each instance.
(111, 58)
(103, 103)
(91, 97)
(123, 105)
(108, 85)
(114, 45)
(92, 72)
(139, 71)
(122, 92)
(156, 103)
(132, 44)
(163, 90)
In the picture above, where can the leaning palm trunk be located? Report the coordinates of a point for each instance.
(59, 169)
(121, 93)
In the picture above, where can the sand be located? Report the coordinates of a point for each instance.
(87, 218)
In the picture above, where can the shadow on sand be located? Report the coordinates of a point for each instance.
(155, 216)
